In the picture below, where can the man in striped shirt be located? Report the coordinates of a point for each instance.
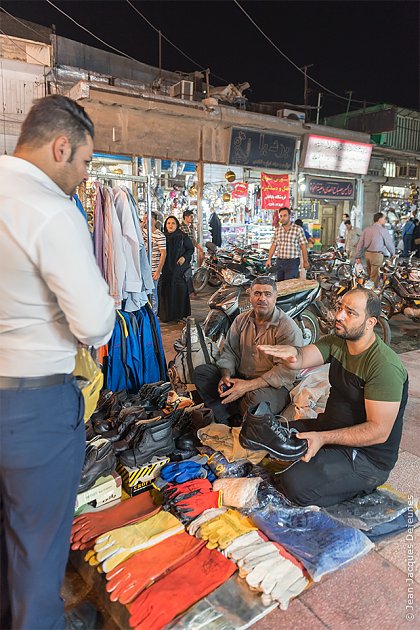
(158, 255)
(289, 243)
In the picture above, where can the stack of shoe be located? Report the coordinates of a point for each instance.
(99, 461)
(109, 406)
(153, 438)
(262, 431)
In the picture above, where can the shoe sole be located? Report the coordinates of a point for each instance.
(256, 446)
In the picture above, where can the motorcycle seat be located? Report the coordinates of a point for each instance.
(296, 285)
(287, 302)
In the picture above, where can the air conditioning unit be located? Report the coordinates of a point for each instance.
(183, 89)
(291, 114)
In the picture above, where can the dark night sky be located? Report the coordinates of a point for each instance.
(369, 47)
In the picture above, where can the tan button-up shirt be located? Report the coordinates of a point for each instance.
(242, 358)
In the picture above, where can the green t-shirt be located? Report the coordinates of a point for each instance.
(375, 374)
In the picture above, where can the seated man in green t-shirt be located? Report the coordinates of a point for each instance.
(353, 445)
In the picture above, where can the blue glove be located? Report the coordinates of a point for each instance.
(178, 472)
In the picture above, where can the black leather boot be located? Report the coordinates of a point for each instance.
(156, 439)
(261, 431)
(99, 461)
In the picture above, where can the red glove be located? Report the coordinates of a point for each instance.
(180, 589)
(132, 576)
(190, 499)
(87, 527)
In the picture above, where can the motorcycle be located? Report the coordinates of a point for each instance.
(238, 259)
(233, 298)
(332, 290)
(400, 289)
(333, 260)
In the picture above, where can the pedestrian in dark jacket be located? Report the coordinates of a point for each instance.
(174, 300)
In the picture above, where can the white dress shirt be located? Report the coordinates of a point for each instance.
(52, 291)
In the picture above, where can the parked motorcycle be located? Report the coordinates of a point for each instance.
(400, 288)
(334, 260)
(332, 290)
(233, 298)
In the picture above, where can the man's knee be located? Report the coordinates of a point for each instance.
(278, 398)
(203, 373)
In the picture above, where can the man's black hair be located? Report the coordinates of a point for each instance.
(347, 222)
(373, 301)
(285, 208)
(53, 116)
(377, 216)
(264, 280)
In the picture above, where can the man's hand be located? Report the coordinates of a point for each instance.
(180, 260)
(315, 442)
(240, 388)
(225, 381)
(156, 275)
(287, 354)
(268, 263)
(306, 264)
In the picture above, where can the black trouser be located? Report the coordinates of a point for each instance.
(206, 379)
(335, 474)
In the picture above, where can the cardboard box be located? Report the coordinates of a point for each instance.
(136, 480)
(105, 490)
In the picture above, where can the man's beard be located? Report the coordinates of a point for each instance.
(354, 334)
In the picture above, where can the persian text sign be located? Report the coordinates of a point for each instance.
(333, 154)
(261, 149)
(240, 189)
(322, 188)
(275, 191)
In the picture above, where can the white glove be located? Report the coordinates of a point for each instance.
(254, 554)
(282, 594)
(246, 541)
(207, 515)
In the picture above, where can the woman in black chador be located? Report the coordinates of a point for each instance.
(174, 300)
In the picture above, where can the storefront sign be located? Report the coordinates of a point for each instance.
(240, 189)
(322, 188)
(275, 191)
(261, 149)
(333, 154)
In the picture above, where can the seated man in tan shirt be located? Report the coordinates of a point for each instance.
(243, 376)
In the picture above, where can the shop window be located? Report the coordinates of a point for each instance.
(390, 169)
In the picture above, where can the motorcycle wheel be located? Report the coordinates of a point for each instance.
(214, 280)
(311, 332)
(200, 279)
(344, 271)
(383, 330)
(387, 305)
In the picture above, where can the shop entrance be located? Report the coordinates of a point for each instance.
(328, 219)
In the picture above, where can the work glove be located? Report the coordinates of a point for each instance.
(155, 607)
(222, 530)
(237, 547)
(87, 527)
(119, 544)
(179, 472)
(135, 574)
(207, 515)
(282, 594)
(190, 499)
(91, 559)
(172, 491)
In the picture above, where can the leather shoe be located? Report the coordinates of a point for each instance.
(155, 439)
(132, 435)
(84, 616)
(261, 431)
(99, 461)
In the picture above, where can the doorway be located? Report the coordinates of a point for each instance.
(328, 220)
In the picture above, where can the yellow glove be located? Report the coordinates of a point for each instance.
(91, 558)
(119, 544)
(222, 530)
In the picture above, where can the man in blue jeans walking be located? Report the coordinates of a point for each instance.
(289, 243)
(53, 296)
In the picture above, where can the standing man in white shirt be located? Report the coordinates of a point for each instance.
(289, 242)
(158, 255)
(53, 296)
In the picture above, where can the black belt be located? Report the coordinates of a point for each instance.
(372, 252)
(36, 382)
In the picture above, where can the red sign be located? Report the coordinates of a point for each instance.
(275, 191)
(240, 189)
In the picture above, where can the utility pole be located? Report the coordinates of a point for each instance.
(350, 93)
(318, 107)
(160, 54)
(305, 89)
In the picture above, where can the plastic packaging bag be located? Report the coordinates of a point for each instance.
(222, 468)
(320, 542)
(365, 512)
(90, 379)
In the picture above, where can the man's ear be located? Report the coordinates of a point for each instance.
(372, 321)
(61, 149)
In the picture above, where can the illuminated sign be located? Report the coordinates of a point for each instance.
(333, 154)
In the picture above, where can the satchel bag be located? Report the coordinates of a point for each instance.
(192, 350)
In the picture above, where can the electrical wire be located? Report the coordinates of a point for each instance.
(117, 50)
(171, 43)
(20, 21)
(344, 98)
